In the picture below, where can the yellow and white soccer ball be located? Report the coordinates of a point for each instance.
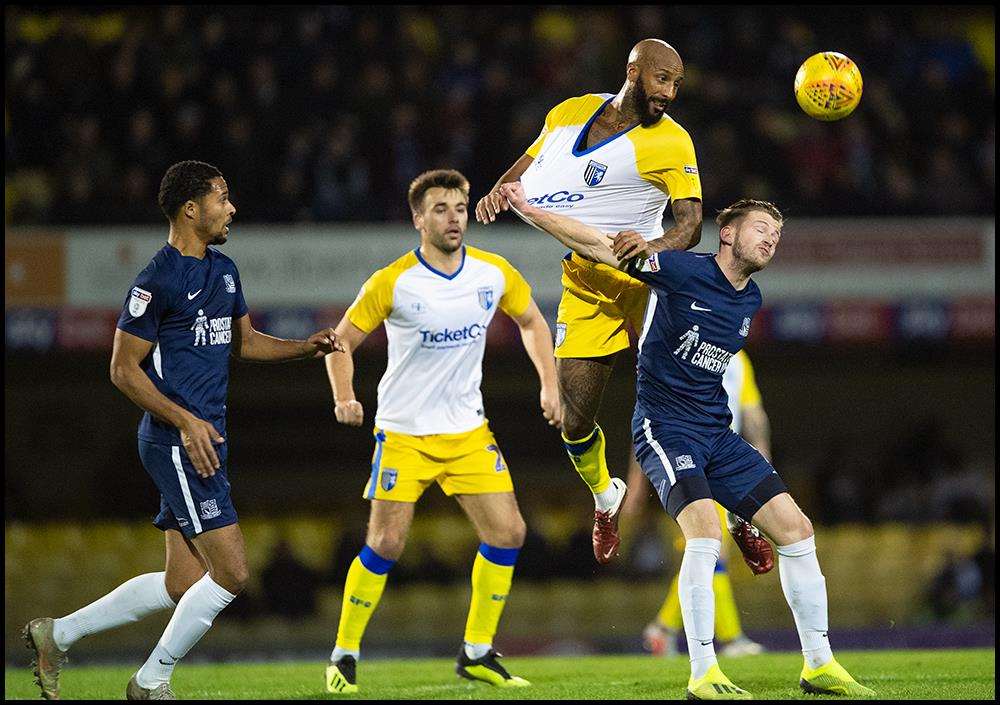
(828, 86)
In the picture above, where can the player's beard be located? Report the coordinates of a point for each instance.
(447, 246)
(746, 259)
(221, 236)
(216, 236)
(642, 106)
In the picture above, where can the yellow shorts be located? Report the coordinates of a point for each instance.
(597, 306)
(462, 463)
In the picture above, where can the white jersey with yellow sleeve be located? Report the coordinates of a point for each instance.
(741, 387)
(621, 183)
(436, 327)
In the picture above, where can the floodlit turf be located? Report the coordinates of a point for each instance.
(946, 675)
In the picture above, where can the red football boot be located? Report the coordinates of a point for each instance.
(757, 552)
(606, 538)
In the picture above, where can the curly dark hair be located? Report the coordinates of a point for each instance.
(744, 206)
(183, 182)
(444, 178)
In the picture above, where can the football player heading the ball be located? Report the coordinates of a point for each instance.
(699, 315)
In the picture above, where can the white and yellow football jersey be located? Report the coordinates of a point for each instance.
(436, 327)
(621, 183)
(741, 387)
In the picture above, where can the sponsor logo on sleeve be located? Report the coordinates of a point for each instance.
(138, 302)
(690, 169)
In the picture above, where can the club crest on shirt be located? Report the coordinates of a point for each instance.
(745, 328)
(138, 302)
(485, 297)
(230, 283)
(388, 479)
(594, 173)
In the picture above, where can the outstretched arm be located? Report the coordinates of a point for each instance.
(253, 346)
(582, 239)
(491, 204)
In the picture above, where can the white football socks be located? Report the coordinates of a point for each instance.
(475, 651)
(805, 590)
(129, 602)
(698, 601)
(605, 501)
(195, 613)
(339, 653)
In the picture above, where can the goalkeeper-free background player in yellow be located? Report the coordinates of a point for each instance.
(750, 420)
(612, 162)
(436, 302)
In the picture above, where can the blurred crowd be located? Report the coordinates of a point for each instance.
(325, 114)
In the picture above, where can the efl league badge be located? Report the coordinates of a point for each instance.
(388, 479)
(485, 297)
(230, 283)
(745, 328)
(594, 173)
(139, 301)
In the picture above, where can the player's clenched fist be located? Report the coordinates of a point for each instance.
(349, 412)
(489, 207)
(550, 406)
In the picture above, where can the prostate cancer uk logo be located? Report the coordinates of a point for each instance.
(705, 355)
(215, 331)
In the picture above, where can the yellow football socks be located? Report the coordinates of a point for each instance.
(670, 613)
(727, 618)
(362, 592)
(492, 574)
(588, 458)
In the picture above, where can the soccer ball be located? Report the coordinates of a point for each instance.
(828, 86)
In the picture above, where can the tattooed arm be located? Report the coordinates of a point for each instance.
(685, 234)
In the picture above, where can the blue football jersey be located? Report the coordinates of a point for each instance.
(695, 322)
(187, 307)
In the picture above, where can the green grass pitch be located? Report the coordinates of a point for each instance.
(927, 675)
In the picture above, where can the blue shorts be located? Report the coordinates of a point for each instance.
(685, 465)
(188, 503)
